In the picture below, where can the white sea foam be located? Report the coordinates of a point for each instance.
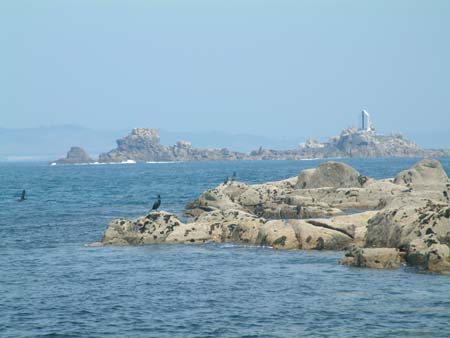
(163, 162)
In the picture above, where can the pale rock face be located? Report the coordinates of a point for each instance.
(153, 228)
(375, 258)
(427, 174)
(191, 233)
(354, 225)
(232, 225)
(316, 237)
(219, 198)
(398, 226)
(330, 174)
(427, 254)
(277, 234)
(312, 144)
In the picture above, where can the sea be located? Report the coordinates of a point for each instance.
(53, 285)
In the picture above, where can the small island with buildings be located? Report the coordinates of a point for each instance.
(143, 145)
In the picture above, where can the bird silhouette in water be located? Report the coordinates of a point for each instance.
(157, 203)
(22, 197)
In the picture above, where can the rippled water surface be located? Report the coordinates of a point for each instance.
(52, 285)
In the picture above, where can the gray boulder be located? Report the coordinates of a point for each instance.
(330, 174)
(427, 174)
(375, 258)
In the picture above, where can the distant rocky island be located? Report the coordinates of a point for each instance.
(75, 155)
(143, 145)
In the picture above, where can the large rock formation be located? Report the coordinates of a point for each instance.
(75, 155)
(409, 221)
(352, 143)
(143, 145)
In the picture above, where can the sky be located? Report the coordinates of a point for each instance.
(276, 68)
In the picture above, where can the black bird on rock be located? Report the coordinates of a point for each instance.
(22, 197)
(157, 203)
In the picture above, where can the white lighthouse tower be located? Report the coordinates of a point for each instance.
(365, 121)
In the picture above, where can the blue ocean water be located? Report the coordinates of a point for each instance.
(52, 285)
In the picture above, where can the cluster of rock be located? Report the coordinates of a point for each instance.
(143, 145)
(392, 221)
(352, 143)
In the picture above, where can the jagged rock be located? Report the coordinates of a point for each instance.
(143, 145)
(378, 258)
(75, 155)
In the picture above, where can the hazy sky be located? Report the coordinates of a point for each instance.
(263, 67)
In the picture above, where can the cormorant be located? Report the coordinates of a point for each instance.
(157, 203)
(22, 197)
(233, 178)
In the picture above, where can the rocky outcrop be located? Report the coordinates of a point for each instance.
(143, 145)
(352, 142)
(75, 155)
(424, 175)
(367, 143)
(321, 209)
(331, 174)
